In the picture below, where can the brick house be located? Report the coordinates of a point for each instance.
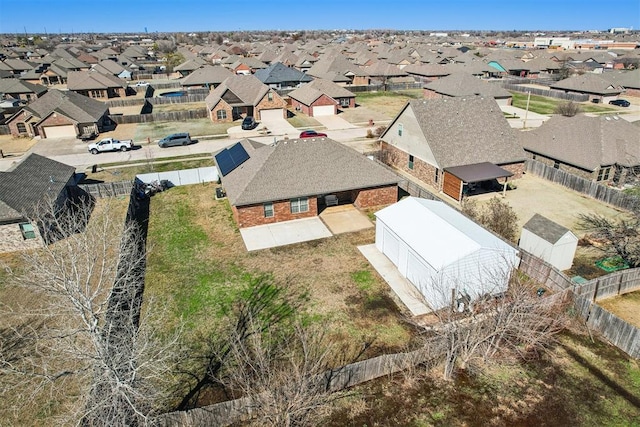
(32, 181)
(60, 114)
(208, 76)
(599, 89)
(454, 144)
(313, 98)
(240, 96)
(604, 149)
(22, 90)
(464, 84)
(278, 76)
(96, 85)
(289, 180)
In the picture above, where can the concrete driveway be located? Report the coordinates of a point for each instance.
(334, 122)
(279, 127)
(284, 233)
(533, 120)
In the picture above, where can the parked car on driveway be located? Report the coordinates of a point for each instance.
(109, 144)
(620, 102)
(175, 139)
(249, 123)
(312, 134)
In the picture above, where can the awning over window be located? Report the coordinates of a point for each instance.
(478, 172)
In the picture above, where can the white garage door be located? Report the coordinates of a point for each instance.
(391, 247)
(275, 114)
(65, 131)
(324, 110)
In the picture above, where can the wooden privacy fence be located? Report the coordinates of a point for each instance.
(618, 283)
(191, 97)
(108, 189)
(620, 333)
(544, 273)
(592, 189)
(168, 116)
(551, 93)
(125, 102)
(226, 413)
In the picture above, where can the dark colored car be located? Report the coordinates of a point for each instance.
(248, 123)
(620, 102)
(175, 139)
(312, 134)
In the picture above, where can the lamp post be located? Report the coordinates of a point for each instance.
(526, 112)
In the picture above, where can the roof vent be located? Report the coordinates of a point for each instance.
(607, 118)
(615, 117)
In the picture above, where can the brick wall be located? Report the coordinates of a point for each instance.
(54, 119)
(222, 105)
(11, 239)
(276, 102)
(13, 125)
(371, 197)
(251, 215)
(399, 159)
(591, 176)
(352, 102)
(299, 106)
(324, 100)
(517, 169)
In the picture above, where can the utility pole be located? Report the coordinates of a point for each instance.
(526, 112)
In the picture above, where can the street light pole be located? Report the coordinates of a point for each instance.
(526, 112)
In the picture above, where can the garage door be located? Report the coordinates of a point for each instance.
(324, 110)
(391, 247)
(275, 114)
(59, 131)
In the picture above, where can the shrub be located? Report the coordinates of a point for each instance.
(568, 109)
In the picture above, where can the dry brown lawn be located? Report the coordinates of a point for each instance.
(11, 146)
(625, 306)
(378, 106)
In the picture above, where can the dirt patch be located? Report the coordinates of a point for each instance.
(553, 201)
(378, 106)
(625, 306)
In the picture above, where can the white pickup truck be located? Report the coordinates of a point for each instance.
(109, 144)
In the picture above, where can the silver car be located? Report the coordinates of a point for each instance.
(175, 139)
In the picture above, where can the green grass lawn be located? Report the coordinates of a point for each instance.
(546, 105)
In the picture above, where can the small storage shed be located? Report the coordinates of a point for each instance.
(550, 241)
(444, 254)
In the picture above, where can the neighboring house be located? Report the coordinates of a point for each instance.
(112, 68)
(444, 254)
(599, 89)
(289, 179)
(60, 114)
(463, 84)
(189, 66)
(629, 80)
(96, 85)
(18, 89)
(339, 70)
(208, 76)
(604, 149)
(550, 241)
(241, 96)
(321, 97)
(279, 76)
(35, 180)
(454, 144)
(246, 66)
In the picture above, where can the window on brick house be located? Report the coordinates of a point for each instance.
(268, 209)
(400, 129)
(221, 114)
(556, 164)
(603, 174)
(22, 128)
(269, 96)
(410, 161)
(435, 178)
(300, 204)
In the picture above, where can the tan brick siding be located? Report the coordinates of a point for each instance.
(276, 102)
(399, 159)
(222, 105)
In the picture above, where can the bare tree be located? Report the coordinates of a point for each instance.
(568, 109)
(88, 335)
(496, 215)
(476, 329)
(284, 373)
(620, 236)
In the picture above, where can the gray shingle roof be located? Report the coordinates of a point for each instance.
(15, 86)
(545, 228)
(587, 83)
(35, 178)
(208, 74)
(302, 167)
(248, 89)
(305, 94)
(91, 80)
(464, 84)
(330, 88)
(279, 73)
(586, 142)
(73, 105)
(463, 131)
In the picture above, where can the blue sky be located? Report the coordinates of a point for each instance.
(97, 16)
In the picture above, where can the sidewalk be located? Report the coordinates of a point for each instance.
(526, 119)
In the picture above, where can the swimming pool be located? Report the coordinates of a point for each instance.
(174, 94)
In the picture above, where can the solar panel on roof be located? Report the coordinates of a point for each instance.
(238, 154)
(230, 158)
